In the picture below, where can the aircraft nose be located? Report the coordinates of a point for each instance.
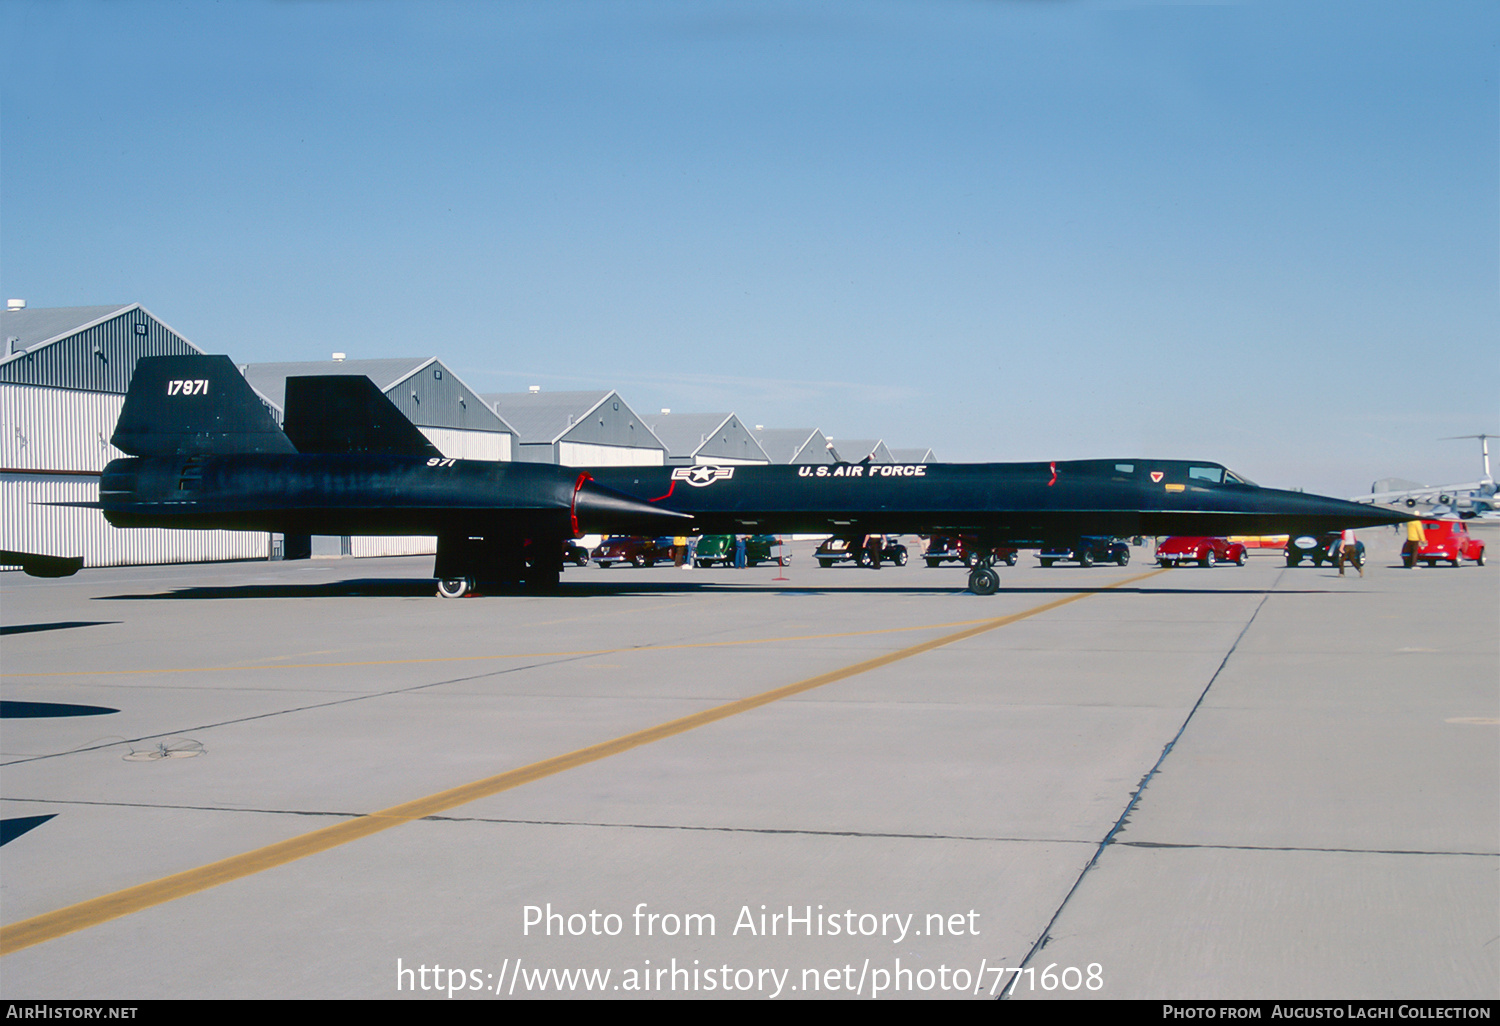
(1339, 514)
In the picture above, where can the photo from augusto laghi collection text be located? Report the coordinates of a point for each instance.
(895, 964)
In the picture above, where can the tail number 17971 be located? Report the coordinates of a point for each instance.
(188, 386)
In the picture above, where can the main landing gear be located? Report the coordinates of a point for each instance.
(499, 562)
(455, 587)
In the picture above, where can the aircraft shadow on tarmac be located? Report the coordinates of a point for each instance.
(408, 588)
(49, 710)
(10, 829)
(61, 625)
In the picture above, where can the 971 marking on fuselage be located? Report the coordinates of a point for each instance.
(188, 386)
(441, 461)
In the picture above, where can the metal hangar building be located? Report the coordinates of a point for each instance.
(62, 384)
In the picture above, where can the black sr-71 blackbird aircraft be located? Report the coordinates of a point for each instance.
(207, 454)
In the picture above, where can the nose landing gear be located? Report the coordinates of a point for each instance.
(984, 581)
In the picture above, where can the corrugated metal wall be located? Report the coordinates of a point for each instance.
(54, 429)
(469, 445)
(435, 397)
(53, 444)
(415, 545)
(579, 454)
(26, 526)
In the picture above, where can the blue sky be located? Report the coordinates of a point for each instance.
(1262, 233)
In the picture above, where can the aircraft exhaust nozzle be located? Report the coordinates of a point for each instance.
(601, 510)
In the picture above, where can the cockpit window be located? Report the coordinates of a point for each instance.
(1213, 475)
(1230, 475)
(1125, 468)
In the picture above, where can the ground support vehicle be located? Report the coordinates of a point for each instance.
(1087, 551)
(1447, 541)
(960, 548)
(852, 550)
(635, 551)
(1204, 551)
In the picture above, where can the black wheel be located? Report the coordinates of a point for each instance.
(1086, 558)
(1123, 558)
(637, 562)
(1207, 559)
(1242, 558)
(1010, 560)
(934, 562)
(969, 559)
(1046, 562)
(1164, 562)
(900, 558)
(984, 581)
(1479, 559)
(455, 587)
(825, 563)
(863, 559)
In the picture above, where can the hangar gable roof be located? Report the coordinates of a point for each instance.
(440, 399)
(687, 435)
(269, 379)
(31, 328)
(855, 450)
(84, 348)
(546, 417)
(794, 445)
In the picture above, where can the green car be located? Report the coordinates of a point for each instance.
(719, 549)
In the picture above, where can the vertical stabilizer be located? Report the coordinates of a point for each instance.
(336, 413)
(194, 406)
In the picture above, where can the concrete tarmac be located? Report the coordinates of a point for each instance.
(1253, 782)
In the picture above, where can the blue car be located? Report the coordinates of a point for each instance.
(1088, 551)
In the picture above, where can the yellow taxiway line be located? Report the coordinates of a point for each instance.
(85, 914)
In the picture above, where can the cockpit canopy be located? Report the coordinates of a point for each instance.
(1183, 472)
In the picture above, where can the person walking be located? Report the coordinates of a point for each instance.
(1415, 539)
(739, 552)
(1349, 553)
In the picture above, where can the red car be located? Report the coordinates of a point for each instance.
(635, 551)
(1448, 540)
(962, 549)
(1203, 551)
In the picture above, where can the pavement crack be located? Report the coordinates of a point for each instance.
(1135, 796)
(1304, 848)
(296, 709)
